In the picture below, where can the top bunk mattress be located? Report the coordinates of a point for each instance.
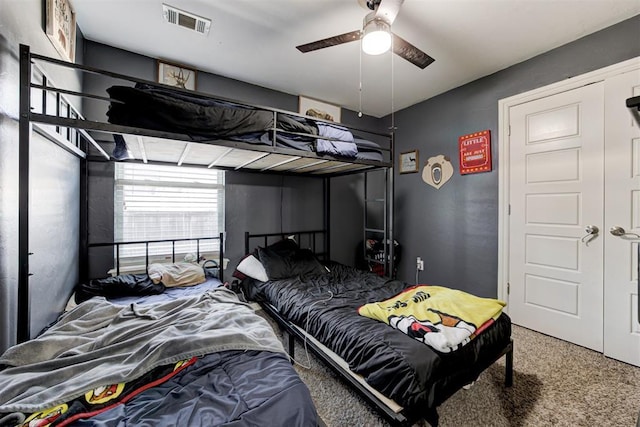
(206, 119)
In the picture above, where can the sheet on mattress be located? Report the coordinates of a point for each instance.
(395, 364)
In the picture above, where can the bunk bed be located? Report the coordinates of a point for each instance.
(405, 379)
(45, 107)
(285, 142)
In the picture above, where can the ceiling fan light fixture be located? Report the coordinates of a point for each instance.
(376, 37)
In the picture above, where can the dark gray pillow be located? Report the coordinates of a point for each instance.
(297, 263)
(284, 247)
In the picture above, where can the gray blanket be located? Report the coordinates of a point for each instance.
(99, 343)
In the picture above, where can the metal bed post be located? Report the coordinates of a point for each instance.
(84, 218)
(24, 130)
(389, 207)
(388, 243)
(221, 251)
(327, 219)
(364, 219)
(390, 204)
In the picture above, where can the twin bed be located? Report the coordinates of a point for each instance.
(402, 377)
(197, 355)
(149, 355)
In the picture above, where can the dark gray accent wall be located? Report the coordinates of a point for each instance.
(261, 203)
(53, 181)
(254, 202)
(455, 229)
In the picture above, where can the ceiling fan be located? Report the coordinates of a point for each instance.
(376, 34)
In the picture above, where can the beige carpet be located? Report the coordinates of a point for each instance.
(555, 384)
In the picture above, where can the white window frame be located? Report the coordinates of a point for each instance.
(188, 221)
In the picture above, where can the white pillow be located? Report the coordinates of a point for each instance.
(253, 268)
(178, 274)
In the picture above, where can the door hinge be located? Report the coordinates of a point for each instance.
(509, 131)
(509, 210)
(508, 288)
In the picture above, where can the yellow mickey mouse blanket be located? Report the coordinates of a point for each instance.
(446, 319)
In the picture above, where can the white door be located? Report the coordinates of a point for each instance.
(622, 209)
(556, 182)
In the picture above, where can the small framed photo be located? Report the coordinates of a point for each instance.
(409, 162)
(318, 109)
(61, 27)
(176, 75)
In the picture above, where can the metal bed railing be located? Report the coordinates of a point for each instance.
(60, 119)
(316, 240)
(117, 245)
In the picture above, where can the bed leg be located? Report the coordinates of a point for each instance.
(292, 342)
(508, 375)
(432, 418)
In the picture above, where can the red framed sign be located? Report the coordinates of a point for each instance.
(475, 152)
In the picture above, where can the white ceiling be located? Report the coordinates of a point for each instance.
(254, 41)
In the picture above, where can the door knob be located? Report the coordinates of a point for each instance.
(617, 231)
(592, 232)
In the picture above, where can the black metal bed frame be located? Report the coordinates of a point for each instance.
(117, 246)
(403, 418)
(80, 141)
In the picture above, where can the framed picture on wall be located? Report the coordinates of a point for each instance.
(176, 75)
(409, 161)
(322, 110)
(61, 27)
(475, 152)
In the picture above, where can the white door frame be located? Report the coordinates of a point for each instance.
(503, 146)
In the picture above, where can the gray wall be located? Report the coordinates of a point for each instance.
(253, 202)
(455, 229)
(53, 179)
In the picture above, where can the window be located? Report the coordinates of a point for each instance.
(154, 202)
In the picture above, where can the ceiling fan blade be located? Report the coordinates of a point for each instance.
(331, 41)
(388, 10)
(406, 50)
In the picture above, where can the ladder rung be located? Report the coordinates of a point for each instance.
(375, 200)
(374, 230)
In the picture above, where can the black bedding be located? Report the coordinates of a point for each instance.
(204, 119)
(409, 372)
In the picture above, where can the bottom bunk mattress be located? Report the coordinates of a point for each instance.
(189, 356)
(408, 371)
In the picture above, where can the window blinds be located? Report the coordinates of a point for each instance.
(154, 202)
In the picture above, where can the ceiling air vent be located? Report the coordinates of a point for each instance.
(185, 19)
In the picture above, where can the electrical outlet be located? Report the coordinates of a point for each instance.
(419, 264)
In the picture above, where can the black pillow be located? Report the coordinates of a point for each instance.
(284, 247)
(301, 261)
(118, 286)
